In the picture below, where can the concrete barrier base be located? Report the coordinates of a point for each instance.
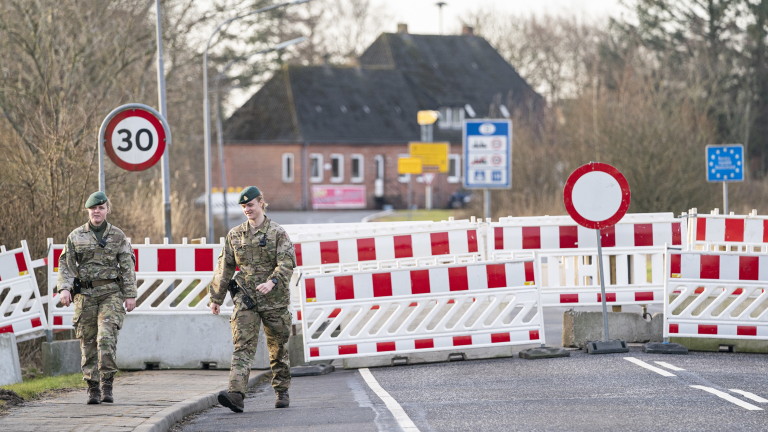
(581, 327)
(543, 352)
(180, 342)
(296, 349)
(61, 357)
(722, 345)
(434, 356)
(664, 348)
(10, 368)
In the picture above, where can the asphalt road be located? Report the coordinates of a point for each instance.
(632, 391)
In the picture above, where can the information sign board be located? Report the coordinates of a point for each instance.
(487, 154)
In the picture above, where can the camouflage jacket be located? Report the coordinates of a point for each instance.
(85, 259)
(257, 264)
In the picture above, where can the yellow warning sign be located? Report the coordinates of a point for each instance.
(409, 165)
(433, 155)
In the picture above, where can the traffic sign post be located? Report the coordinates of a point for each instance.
(596, 196)
(725, 163)
(134, 136)
(487, 156)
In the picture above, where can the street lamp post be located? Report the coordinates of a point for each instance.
(219, 128)
(207, 109)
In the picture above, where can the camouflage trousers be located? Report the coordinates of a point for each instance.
(245, 336)
(97, 321)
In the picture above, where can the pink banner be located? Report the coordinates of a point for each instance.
(338, 197)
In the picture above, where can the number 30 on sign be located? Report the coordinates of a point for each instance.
(135, 136)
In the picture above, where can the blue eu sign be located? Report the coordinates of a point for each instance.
(725, 163)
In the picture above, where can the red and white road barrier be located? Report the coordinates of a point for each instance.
(21, 308)
(171, 279)
(388, 243)
(740, 233)
(399, 311)
(716, 295)
(517, 236)
(633, 276)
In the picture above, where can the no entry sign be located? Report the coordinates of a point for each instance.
(596, 195)
(134, 136)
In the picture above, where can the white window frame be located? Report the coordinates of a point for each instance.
(317, 158)
(337, 175)
(451, 118)
(378, 166)
(289, 168)
(454, 175)
(359, 176)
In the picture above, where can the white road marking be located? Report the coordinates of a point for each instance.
(669, 366)
(749, 395)
(650, 367)
(729, 398)
(397, 411)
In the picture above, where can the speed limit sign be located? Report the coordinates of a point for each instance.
(134, 136)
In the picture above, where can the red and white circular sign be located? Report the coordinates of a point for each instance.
(135, 136)
(596, 195)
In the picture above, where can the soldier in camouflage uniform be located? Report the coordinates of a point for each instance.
(101, 258)
(264, 253)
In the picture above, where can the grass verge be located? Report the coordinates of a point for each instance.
(38, 387)
(421, 215)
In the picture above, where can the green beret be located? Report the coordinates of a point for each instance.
(95, 199)
(248, 194)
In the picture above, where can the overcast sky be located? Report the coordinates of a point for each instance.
(423, 16)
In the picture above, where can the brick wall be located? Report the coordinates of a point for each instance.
(261, 165)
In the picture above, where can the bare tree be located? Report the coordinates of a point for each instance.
(555, 54)
(714, 49)
(70, 61)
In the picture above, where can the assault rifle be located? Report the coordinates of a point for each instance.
(247, 301)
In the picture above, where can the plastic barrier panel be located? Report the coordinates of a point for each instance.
(570, 278)
(390, 241)
(171, 279)
(371, 246)
(398, 311)
(715, 232)
(21, 306)
(716, 295)
(514, 237)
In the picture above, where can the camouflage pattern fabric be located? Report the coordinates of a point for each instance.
(83, 257)
(276, 259)
(97, 320)
(258, 264)
(245, 332)
(99, 311)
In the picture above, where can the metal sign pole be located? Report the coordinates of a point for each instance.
(602, 283)
(164, 163)
(596, 196)
(102, 177)
(725, 198)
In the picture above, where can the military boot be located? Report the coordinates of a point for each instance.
(232, 400)
(106, 390)
(282, 400)
(94, 394)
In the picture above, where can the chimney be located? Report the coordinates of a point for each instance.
(467, 30)
(402, 28)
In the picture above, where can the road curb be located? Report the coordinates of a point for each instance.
(166, 418)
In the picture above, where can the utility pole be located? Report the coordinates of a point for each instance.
(440, 5)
